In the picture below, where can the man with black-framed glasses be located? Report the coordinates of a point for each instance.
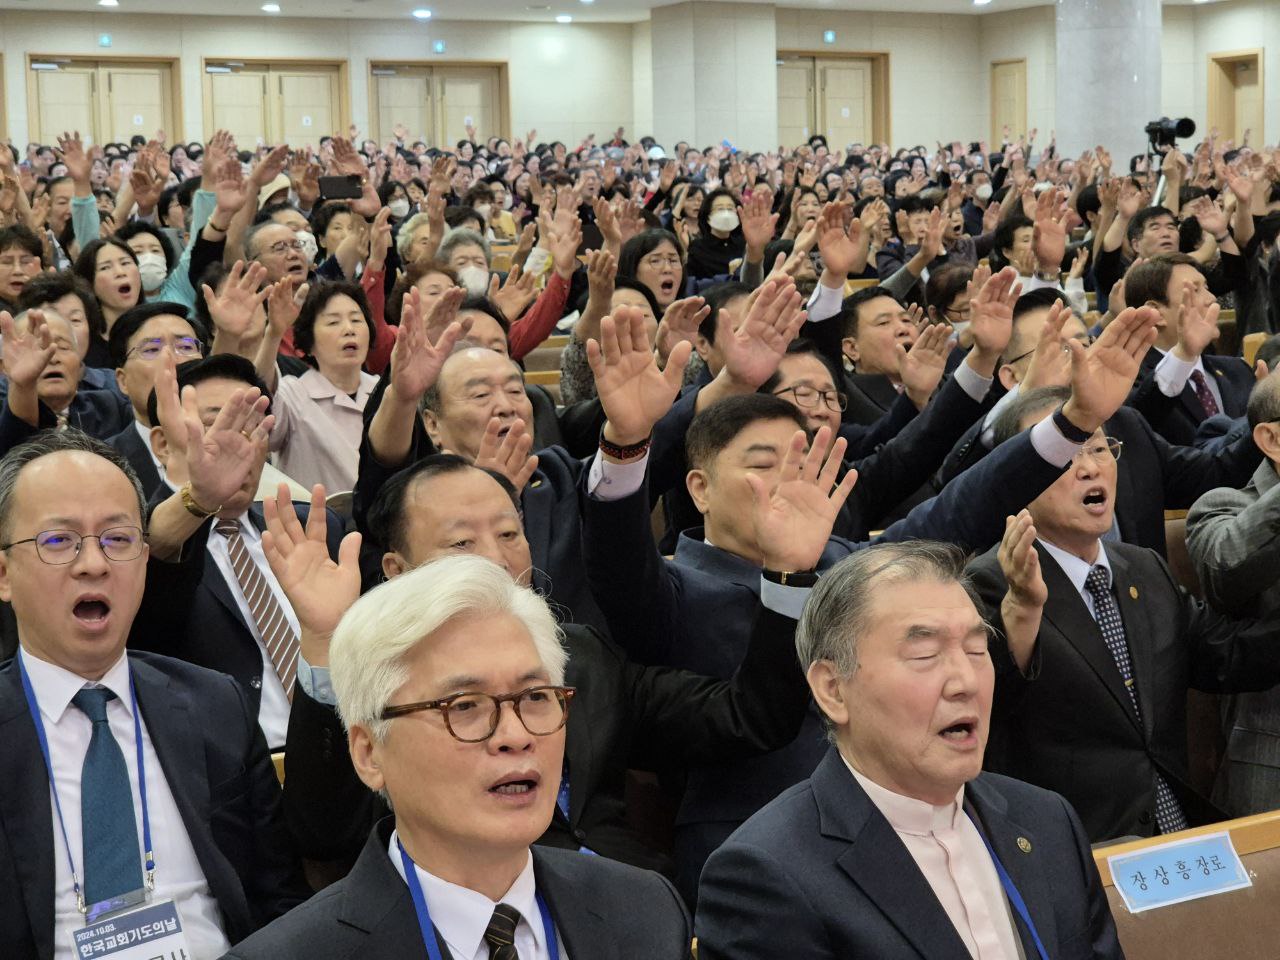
(138, 342)
(1096, 645)
(136, 787)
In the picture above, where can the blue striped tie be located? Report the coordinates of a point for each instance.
(111, 862)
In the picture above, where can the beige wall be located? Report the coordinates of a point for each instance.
(935, 85)
(568, 81)
(565, 81)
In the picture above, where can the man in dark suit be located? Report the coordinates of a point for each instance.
(472, 785)
(73, 564)
(138, 342)
(1180, 385)
(899, 847)
(689, 611)
(1150, 465)
(218, 605)
(1095, 648)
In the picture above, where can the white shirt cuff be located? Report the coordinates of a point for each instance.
(972, 382)
(1052, 445)
(315, 683)
(613, 481)
(788, 601)
(825, 302)
(1172, 374)
(989, 421)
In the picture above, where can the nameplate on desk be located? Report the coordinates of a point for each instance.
(151, 933)
(1181, 870)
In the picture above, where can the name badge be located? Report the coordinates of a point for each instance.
(1180, 870)
(153, 932)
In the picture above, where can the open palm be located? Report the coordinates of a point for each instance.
(634, 393)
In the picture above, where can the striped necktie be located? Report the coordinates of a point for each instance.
(501, 933)
(268, 616)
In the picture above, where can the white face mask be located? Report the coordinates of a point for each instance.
(309, 247)
(724, 220)
(983, 191)
(153, 268)
(399, 208)
(507, 202)
(484, 209)
(958, 328)
(475, 279)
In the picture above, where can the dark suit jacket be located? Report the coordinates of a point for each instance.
(820, 873)
(1148, 465)
(1176, 418)
(870, 396)
(1068, 725)
(134, 449)
(692, 612)
(602, 909)
(214, 759)
(624, 716)
(189, 611)
(99, 413)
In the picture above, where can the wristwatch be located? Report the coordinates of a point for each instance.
(194, 508)
(799, 578)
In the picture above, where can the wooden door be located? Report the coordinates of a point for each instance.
(66, 101)
(466, 95)
(305, 104)
(795, 102)
(1008, 99)
(1248, 101)
(404, 99)
(138, 101)
(845, 102)
(238, 103)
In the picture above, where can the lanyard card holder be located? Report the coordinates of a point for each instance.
(150, 932)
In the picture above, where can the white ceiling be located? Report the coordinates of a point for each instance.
(600, 11)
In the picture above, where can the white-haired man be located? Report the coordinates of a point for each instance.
(424, 668)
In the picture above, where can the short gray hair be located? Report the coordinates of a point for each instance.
(463, 238)
(48, 442)
(22, 321)
(836, 613)
(404, 237)
(369, 647)
(251, 237)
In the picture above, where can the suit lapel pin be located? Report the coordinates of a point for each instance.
(1133, 592)
(1024, 844)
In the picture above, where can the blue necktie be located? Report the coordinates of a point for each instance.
(111, 862)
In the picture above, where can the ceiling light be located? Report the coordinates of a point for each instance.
(563, 18)
(108, 3)
(271, 8)
(981, 3)
(422, 13)
(586, 1)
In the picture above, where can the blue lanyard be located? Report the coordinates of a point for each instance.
(1011, 891)
(428, 928)
(34, 708)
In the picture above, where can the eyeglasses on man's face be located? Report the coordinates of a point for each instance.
(63, 546)
(281, 247)
(183, 348)
(1107, 448)
(809, 398)
(473, 717)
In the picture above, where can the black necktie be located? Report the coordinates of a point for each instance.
(501, 933)
(1169, 815)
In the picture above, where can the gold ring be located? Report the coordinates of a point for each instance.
(246, 434)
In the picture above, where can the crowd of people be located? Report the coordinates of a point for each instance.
(835, 562)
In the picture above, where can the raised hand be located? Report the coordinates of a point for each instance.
(1197, 323)
(379, 239)
(793, 520)
(840, 240)
(758, 225)
(753, 351)
(1021, 567)
(931, 241)
(234, 308)
(680, 322)
(507, 453)
(607, 224)
(231, 190)
(920, 369)
(1129, 201)
(634, 393)
(284, 305)
(565, 238)
(72, 153)
(415, 360)
(1051, 360)
(346, 161)
(1103, 374)
(515, 295)
(270, 166)
(1049, 235)
(991, 318)
(26, 353)
(319, 590)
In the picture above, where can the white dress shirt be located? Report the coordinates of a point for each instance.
(462, 915)
(179, 876)
(946, 846)
(273, 708)
(1077, 570)
(1172, 375)
(145, 433)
